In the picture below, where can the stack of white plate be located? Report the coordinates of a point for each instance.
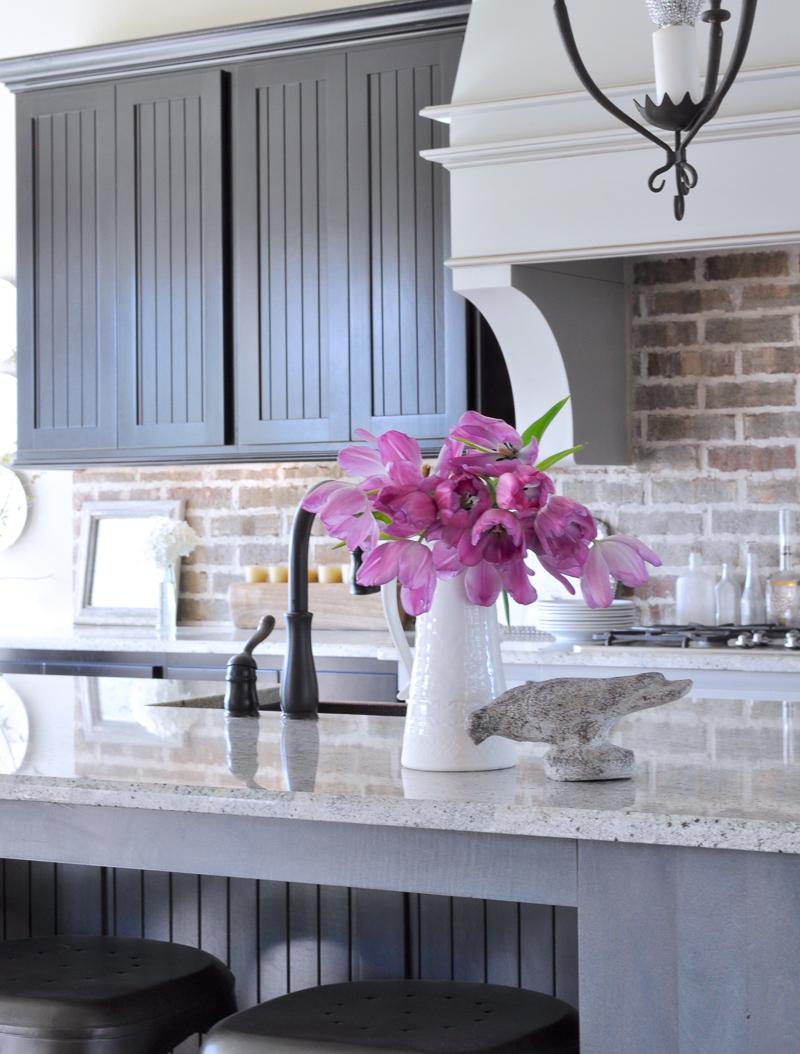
(573, 620)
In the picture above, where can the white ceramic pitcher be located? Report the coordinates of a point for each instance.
(455, 669)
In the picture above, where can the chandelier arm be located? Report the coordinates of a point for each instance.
(714, 52)
(735, 64)
(562, 17)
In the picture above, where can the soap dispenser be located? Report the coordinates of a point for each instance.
(241, 692)
(694, 595)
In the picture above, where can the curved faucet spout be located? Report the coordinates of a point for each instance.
(299, 690)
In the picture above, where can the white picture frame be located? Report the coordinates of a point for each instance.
(116, 585)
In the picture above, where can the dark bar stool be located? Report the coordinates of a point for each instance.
(428, 1017)
(107, 995)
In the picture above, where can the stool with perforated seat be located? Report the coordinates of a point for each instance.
(418, 1017)
(107, 995)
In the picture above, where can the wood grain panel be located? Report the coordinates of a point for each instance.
(291, 250)
(407, 325)
(171, 157)
(66, 267)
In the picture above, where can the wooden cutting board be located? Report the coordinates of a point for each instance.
(333, 605)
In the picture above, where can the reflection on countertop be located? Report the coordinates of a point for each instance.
(710, 771)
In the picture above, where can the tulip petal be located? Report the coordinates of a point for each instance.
(596, 580)
(361, 461)
(516, 581)
(367, 437)
(380, 565)
(482, 584)
(640, 547)
(446, 561)
(415, 569)
(397, 446)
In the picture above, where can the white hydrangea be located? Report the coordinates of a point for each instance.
(168, 540)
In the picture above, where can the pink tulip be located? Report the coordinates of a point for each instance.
(499, 446)
(496, 537)
(410, 508)
(397, 461)
(484, 582)
(561, 532)
(346, 513)
(409, 562)
(622, 557)
(525, 490)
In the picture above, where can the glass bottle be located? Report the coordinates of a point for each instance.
(754, 610)
(783, 587)
(728, 599)
(694, 595)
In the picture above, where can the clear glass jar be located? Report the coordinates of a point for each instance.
(728, 596)
(694, 595)
(783, 587)
(754, 609)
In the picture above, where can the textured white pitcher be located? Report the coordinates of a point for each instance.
(457, 669)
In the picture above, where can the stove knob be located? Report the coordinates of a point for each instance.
(760, 637)
(744, 640)
(792, 639)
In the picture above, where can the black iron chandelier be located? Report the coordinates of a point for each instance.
(680, 105)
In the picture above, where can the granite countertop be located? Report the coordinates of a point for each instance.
(722, 773)
(374, 644)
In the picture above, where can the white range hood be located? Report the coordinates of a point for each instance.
(541, 173)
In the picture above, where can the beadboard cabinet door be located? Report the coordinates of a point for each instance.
(407, 326)
(66, 271)
(290, 205)
(171, 281)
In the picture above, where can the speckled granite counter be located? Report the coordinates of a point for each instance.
(370, 644)
(714, 773)
(196, 641)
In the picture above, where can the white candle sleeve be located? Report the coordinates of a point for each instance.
(677, 63)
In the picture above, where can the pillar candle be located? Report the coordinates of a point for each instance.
(329, 573)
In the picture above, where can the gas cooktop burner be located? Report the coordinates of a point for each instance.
(695, 636)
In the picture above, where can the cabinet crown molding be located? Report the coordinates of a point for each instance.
(206, 47)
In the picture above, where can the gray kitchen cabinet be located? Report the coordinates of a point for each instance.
(171, 277)
(290, 163)
(240, 261)
(65, 273)
(407, 326)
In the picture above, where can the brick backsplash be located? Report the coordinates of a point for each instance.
(715, 424)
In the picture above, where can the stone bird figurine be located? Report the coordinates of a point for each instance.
(575, 715)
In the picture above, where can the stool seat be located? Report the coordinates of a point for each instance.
(107, 995)
(429, 1017)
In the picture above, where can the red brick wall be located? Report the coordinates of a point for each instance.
(715, 424)
(715, 415)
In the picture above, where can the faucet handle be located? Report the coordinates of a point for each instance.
(265, 627)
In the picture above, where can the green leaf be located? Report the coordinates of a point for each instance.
(381, 517)
(507, 608)
(537, 429)
(550, 461)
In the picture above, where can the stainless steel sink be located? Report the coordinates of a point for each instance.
(269, 698)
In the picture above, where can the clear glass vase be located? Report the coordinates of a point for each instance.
(167, 611)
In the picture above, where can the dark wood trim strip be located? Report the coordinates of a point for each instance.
(214, 46)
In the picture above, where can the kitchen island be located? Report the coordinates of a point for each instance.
(686, 879)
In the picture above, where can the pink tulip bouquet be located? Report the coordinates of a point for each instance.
(479, 510)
